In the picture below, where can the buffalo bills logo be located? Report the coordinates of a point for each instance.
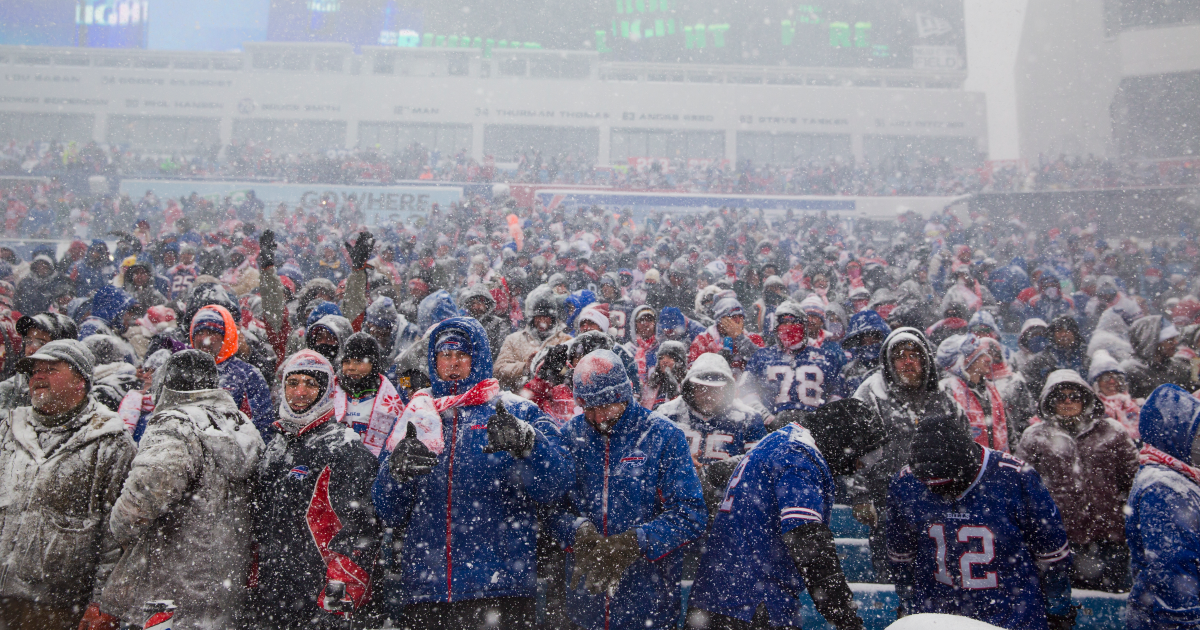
(299, 472)
(633, 461)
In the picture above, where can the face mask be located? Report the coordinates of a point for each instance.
(791, 336)
(1037, 344)
(329, 352)
(1052, 293)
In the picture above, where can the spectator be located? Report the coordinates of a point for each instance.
(184, 517)
(64, 459)
(1087, 462)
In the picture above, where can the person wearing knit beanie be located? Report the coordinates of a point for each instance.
(944, 456)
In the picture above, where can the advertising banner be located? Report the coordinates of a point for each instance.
(380, 205)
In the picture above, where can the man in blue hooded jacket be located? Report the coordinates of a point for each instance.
(634, 502)
(1164, 507)
(108, 316)
(863, 342)
(469, 513)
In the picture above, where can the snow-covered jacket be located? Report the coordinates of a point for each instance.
(1089, 472)
(470, 522)
(1120, 407)
(183, 516)
(1111, 334)
(55, 544)
(14, 391)
(640, 477)
(1143, 371)
(901, 409)
(1164, 507)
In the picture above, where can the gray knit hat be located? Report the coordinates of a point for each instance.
(73, 352)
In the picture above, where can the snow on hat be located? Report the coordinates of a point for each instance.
(156, 360)
(652, 276)
(208, 319)
(710, 369)
(812, 305)
(958, 352)
(73, 352)
(727, 307)
(942, 451)
(157, 319)
(1168, 332)
(322, 309)
(600, 379)
(592, 314)
(1102, 363)
(382, 313)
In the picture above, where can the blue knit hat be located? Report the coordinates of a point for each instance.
(321, 310)
(600, 379)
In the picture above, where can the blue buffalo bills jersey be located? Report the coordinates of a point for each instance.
(726, 434)
(978, 555)
(782, 483)
(803, 379)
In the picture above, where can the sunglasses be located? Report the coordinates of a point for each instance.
(1069, 397)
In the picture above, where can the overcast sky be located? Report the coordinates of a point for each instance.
(993, 34)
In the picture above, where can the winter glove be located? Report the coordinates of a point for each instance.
(586, 540)
(812, 550)
(614, 555)
(95, 619)
(266, 249)
(506, 432)
(865, 513)
(411, 458)
(1062, 622)
(713, 479)
(360, 251)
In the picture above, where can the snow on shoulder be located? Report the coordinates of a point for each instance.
(937, 621)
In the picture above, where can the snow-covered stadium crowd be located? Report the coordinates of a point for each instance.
(511, 417)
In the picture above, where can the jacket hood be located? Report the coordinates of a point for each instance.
(1067, 322)
(339, 326)
(1143, 336)
(1102, 363)
(170, 399)
(1169, 421)
(1062, 378)
(436, 307)
(540, 302)
(480, 351)
(110, 303)
(864, 322)
(909, 335)
(229, 346)
(306, 361)
(958, 352)
(578, 300)
(478, 291)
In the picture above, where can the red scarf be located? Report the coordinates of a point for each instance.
(979, 427)
(1151, 455)
(644, 346)
(482, 393)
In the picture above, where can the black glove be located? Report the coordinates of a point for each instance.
(411, 458)
(266, 249)
(1063, 622)
(812, 550)
(603, 560)
(360, 251)
(713, 479)
(554, 364)
(506, 432)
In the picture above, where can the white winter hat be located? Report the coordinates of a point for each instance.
(592, 315)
